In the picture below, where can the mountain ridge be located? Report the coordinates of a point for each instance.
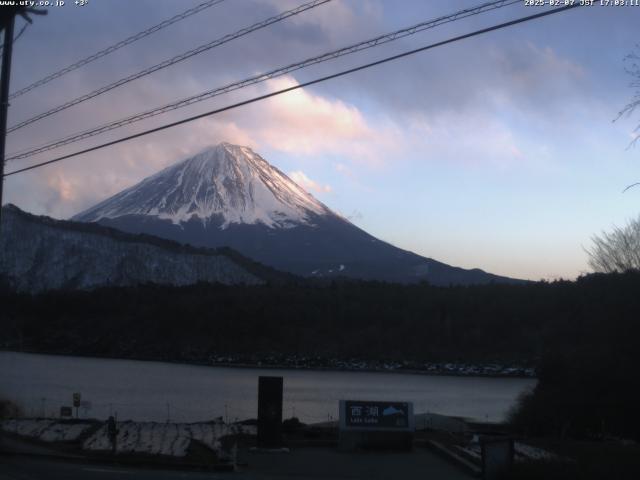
(65, 254)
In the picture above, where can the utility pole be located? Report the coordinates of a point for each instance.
(7, 22)
(7, 50)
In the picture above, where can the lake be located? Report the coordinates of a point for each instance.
(143, 390)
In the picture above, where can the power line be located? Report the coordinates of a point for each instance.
(302, 85)
(24, 27)
(364, 45)
(117, 46)
(172, 61)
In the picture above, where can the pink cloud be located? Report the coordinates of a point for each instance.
(310, 185)
(303, 123)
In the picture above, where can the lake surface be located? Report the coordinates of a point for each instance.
(141, 390)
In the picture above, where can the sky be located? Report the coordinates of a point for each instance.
(497, 152)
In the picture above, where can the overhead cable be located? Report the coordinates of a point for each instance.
(116, 46)
(373, 42)
(298, 86)
(171, 61)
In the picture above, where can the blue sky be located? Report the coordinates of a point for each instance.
(498, 152)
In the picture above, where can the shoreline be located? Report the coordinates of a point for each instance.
(436, 369)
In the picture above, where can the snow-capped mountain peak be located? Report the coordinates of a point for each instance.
(229, 183)
(229, 196)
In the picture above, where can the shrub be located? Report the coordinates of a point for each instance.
(9, 409)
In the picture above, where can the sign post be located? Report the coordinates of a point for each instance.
(112, 433)
(86, 406)
(497, 456)
(270, 412)
(375, 424)
(76, 402)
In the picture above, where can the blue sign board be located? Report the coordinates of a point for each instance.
(375, 415)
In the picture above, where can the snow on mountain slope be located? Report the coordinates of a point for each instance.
(67, 255)
(227, 181)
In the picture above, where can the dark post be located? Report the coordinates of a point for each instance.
(4, 95)
(112, 432)
(497, 456)
(270, 412)
(7, 22)
(76, 402)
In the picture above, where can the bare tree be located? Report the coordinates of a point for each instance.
(618, 250)
(632, 67)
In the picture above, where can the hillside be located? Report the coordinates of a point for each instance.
(38, 253)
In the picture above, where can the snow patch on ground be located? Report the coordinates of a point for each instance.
(472, 450)
(522, 452)
(527, 452)
(45, 430)
(172, 439)
(152, 438)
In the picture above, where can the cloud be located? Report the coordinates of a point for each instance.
(344, 169)
(355, 216)
(63, 187)
(305, 182)
(531, 78)
(303, 123)
(335, 19)
(300, 124)
(448, 105)
(468, 139)
(536, 80)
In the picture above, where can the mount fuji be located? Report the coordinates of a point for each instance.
(228, 195)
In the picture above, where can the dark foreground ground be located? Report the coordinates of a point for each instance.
(305, 463)
(435, 454)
